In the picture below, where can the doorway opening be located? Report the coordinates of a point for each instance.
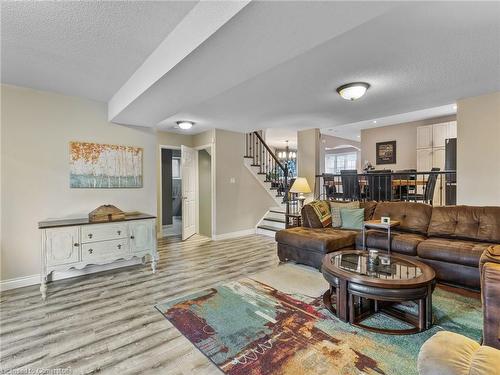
(171, 192)
(187, 190)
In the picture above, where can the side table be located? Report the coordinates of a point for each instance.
(377, 224)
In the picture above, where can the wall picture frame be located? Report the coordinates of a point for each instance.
(386, 152)
(104, 166)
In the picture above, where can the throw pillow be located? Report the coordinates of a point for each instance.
(335, 211)
(352, 218)
(322, 210)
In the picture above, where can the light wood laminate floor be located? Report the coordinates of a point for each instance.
(106, 322)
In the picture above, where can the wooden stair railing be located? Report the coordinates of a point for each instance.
(276, 173)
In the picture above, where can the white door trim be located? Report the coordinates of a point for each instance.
(189, 175)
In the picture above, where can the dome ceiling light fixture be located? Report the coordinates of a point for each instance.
(352, 91)
(185, 125)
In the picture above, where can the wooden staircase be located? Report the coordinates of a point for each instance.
(274, 177)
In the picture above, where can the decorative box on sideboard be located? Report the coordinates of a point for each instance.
(76, 243)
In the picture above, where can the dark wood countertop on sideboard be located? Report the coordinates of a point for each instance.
(85, 221)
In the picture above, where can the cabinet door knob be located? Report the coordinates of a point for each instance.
(119, 246)
(91, 251)
(90, 235)
(119, 232)
(76, 244)
(132, 237)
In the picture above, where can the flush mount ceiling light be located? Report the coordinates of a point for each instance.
(353, 91)
(185, 125)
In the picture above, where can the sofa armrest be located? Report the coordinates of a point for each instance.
(490, 294)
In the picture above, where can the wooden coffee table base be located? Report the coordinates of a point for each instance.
(359, 308)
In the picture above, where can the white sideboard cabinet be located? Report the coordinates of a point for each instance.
(76, 243)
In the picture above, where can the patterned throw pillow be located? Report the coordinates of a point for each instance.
(322, 210)
(335, 211)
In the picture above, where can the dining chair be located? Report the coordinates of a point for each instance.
(350, 185)
(404, 192)
(430, 186)
(379, 185)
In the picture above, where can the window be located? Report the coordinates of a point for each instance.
(334, 163)
(176, 167)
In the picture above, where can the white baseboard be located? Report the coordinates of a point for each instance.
(23, 281)
(240, 233)
(19, 282)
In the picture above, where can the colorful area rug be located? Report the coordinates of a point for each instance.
(247, 327)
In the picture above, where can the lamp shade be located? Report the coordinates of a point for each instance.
(300, 186)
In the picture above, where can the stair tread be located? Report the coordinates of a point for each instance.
(275, 220)
(268, 227)
(278, 212)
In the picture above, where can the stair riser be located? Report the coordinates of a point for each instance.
(264, 232)
(275, 215)
(274, 224)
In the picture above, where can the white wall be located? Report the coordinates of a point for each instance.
(404, 134)
(36, 130)
(478, 150)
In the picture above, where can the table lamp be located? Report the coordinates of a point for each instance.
(300, 186)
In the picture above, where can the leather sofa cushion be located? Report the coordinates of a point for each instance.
(403, 243)
(490, 293)
(462, 252)
(324, 240)
(413, 217)
(466, 222)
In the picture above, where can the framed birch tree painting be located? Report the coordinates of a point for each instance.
(101, 166)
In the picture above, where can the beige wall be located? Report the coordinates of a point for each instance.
(36, 130)
(239, 205)
(308, 155)
(205, 192)
(404, 134)
(478, 150)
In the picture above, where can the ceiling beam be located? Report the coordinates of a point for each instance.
(198, 25)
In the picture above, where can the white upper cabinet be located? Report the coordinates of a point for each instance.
(424, 159)
(435, 135)
(438, 158)
(439, 134)
(424, 136)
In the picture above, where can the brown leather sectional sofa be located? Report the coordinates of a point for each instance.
(449, 239)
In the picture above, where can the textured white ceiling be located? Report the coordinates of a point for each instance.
(417, 56)
(273, 65)
(87, 48)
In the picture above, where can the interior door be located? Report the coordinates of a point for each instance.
(189, 168)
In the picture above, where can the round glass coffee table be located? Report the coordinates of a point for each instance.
(362, 285)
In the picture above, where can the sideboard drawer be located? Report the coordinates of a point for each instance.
(103, 232)
(102, 250)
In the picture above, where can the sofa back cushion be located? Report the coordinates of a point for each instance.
(311, 220)
(466, 222)
(413, 217)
